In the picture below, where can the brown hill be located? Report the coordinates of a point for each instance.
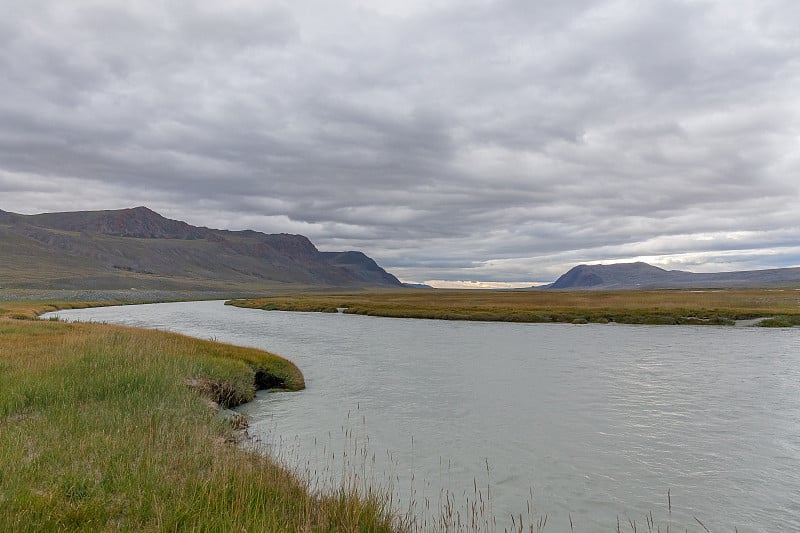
(140, 248)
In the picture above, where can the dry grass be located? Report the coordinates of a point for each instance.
(99, 431)
(633, 307)
(30, 309)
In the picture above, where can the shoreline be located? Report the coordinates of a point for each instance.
(236, 437)
(740, 308)
(102, 431)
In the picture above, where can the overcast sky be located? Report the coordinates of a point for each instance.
(470, 140)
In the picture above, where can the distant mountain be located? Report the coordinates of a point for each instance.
(621, 276)
(363, 267)
(139, 248)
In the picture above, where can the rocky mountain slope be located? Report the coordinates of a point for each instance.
(643, 276)
(140, 248)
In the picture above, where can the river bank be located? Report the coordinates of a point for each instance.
(109, 428)
(762, 307)
(602, 421)
(168, 315)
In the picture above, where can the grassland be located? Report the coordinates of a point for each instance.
(107, 428)
(715, 307)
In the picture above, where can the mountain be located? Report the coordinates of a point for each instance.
(139, 248)
(639, 275)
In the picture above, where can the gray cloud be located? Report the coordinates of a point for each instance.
(502, 140)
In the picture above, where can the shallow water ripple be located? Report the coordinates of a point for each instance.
(597, 421)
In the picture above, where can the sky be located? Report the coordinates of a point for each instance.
(469, 142)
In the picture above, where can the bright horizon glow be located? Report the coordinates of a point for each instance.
(468, 284)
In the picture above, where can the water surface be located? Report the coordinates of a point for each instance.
(595, 421)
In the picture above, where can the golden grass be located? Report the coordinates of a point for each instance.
(637, 307)
(99, 431)
(29, 309)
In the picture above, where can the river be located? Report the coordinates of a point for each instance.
(588, 423)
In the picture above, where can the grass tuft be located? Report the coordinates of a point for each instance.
(99, 431)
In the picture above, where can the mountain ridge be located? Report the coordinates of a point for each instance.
(137, 246)
(138, 222)
(640, 275)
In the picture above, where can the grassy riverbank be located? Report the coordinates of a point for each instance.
(716, 307)
(109, 428)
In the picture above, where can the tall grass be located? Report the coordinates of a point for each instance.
(100, 431)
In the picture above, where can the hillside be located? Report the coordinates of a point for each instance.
(141, 249)
(623, 276)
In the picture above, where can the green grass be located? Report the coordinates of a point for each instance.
(782, 321)
(718, 307)
(101, 431)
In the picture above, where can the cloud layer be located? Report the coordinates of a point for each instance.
(483, 140)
